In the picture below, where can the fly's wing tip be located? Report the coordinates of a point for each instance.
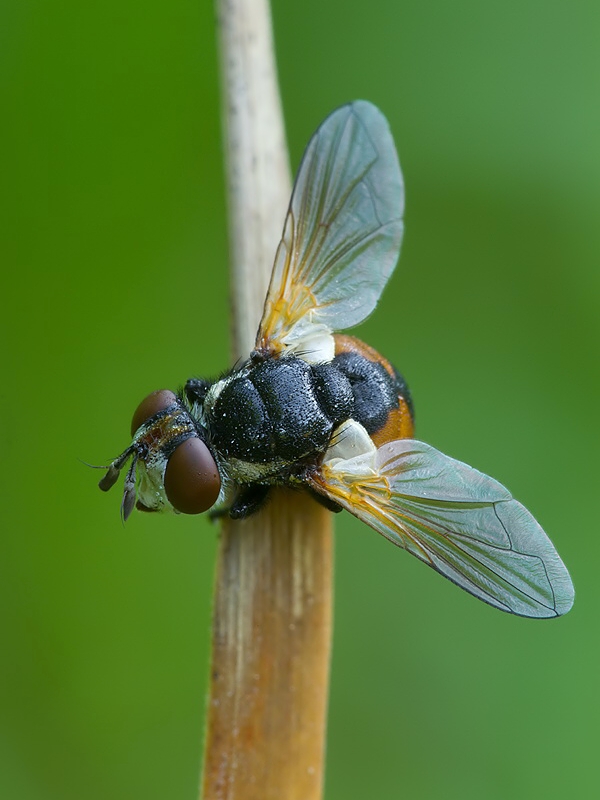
(565, 596)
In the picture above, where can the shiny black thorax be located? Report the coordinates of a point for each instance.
(284, 409)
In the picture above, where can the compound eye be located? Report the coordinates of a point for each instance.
(151, 405)
(192, 480)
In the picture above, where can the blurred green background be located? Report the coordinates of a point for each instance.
(114, 253)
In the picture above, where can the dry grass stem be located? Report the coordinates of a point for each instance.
(273, 594)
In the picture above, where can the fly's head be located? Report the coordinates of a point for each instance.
(171, 467)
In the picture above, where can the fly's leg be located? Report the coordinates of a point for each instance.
(249, 500)
(330, 505)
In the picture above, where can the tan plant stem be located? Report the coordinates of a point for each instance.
(271, 635)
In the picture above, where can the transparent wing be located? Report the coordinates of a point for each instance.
(342, 233)
(457, 520)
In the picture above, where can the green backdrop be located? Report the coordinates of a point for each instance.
(114, 265)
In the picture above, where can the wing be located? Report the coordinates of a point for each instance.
(342, 233)
(460, 522)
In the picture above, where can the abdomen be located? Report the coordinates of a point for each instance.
(382, 401)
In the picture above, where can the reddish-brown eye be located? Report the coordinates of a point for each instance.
(192, 480)
(151, 405)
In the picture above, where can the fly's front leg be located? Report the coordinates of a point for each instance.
(248, 501)
(330, 505)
